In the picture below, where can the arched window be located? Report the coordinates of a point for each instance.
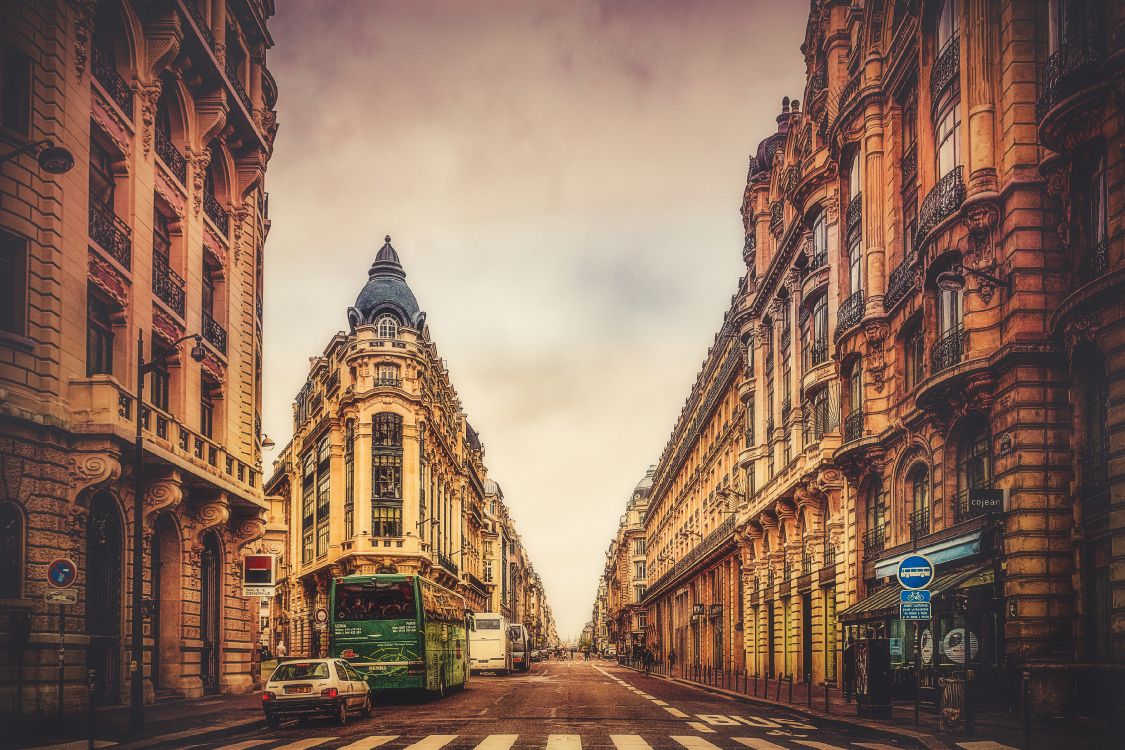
(974, 466)
(163, 132)
(11, 551)
(947, 25)
(918, 485)
(875, 534)
(386, 327)
(386, 475)
(819, 241)
(947, 96)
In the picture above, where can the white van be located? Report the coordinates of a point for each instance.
(488, 644)
(519, 643)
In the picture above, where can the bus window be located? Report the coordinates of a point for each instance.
(376, 600)
(487, 624)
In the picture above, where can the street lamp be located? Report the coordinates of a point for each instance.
(136, 664)
(52, 159)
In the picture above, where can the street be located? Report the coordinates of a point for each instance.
(562, 706)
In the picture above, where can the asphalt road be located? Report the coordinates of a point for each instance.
(563, 706)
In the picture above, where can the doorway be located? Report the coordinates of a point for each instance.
(105, 555)
(210, 615)
(166, 597)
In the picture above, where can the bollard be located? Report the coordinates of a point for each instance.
(808, 689)
(90, 687)
(1026, 711)
(827, 710)
(777, 693)
(790, 687)
(755, 684)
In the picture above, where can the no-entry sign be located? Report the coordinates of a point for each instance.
(61, 573)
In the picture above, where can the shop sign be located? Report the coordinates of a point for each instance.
(698, 610)
(258, 575)
(984, 500)
(716, 610)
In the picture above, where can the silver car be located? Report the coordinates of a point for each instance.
(304, 688)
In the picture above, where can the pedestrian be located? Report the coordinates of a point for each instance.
(646, 659)
(672, 658)
(849, 669)
(281, 651)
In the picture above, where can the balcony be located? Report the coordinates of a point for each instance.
(214, 333)
(919, 524)
(854, 215)
(818, 352)
(332, 382)
(853, 426)
(769, 428)
(111, 233)
(1070, 69)
(948, 350)
(447, 563)
(749, 437)
(902, 282)
(851, 88)
(874, 542)
(200, 22)
(909, 165)
(786, 338)
(749, 248)
(850, 313)
(167, 285)
(388, 381)
(170, 156)
(947, 68)
(806, 562)
(105, 72)
(216, 213)
(777, 218)
(239, 89)
(786, 407)
(941, 203)
(1095, 263)
(829, 556)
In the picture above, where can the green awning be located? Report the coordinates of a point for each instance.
(884, 602)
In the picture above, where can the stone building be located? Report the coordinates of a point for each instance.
(385, 474)
(626, 574)
(927, 324)
(154, 235)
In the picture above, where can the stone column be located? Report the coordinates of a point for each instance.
(977, 55)
(873, 190)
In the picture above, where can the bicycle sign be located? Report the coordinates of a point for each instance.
(914, 597)
(915, 572)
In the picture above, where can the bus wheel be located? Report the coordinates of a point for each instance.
(366, 710)
(342, 713)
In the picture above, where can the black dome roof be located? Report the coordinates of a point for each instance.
(386, 291)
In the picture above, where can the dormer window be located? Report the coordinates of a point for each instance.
(386, 327)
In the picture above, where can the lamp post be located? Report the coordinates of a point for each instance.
(136, 663)
(52, 159)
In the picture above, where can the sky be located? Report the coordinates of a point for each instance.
(562, 181)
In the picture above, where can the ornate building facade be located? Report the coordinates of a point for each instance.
(626, 572)
(385, 474)
(928, 324)
(155, 234)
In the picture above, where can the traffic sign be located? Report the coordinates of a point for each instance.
(915, 572)
(910, 597)
(61, 573)
(914, 610)
(60, 596)
(320, 616)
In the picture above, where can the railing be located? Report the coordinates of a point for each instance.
(214, 332)
(901, 282)
(215, 212)
(446, 563)
(818, 82)
(200, 21)
(167, 285)
(853, 426)
(909, 164)
(333, 381)
(111, 233)
(769, 428)
(786, 407)
(818, 352)
(236, 84)
(806, 562)
(749, 437)
(850, 313)
(106, 74)
(961, 507)
(919, 523)
(749, 247)
(258, 305)
(874, 541)
(1095, 263)
(948, 349)
(854, 213)
(1070, 68)
(941, 202)
(786, 570)
(722, 533)
(389, 381)
(817, 256)
(946, 68)
(829, 555)
(170, 155)
(851, 88)
(786, 337)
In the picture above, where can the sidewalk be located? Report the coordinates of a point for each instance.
(201, 719)
(1007, 731)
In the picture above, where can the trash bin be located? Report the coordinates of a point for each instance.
(952, 716)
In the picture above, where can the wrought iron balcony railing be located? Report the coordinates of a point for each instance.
(106, 74)
(947, 68)
(1070, 69)
(854, 215)
(111, 233)
(749, 248)
(919, 523)
(170, 155)
(874, 541)
(961, 506)
(806, 562)
(786, 338)
(901, 282)
(909, 164)
(941, 202)
(167, 285)
(239, 90)
(829, 555)
(851, 88)
(850, 312)
(777, 218)
(948, 349)
(786, 570)
(769, 428)
(388, 381)
(786, 407)
(258, 306)
(215, 212)
(200, 21)
(1095, 263)
(818, 352)
(853, 426)
(447, 563)
(333, 381)
(749, 437)
(214, 333)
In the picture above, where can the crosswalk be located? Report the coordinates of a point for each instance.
(697, 741)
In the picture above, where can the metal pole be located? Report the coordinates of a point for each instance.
(90, 710)
(917, 669)
(1026, 711)
(136, 664)
(61, 657)
(827, 705)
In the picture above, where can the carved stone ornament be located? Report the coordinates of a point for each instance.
(164, 324)
(214, 246)
(238, 220)
(170, 192)
(875, 333)
(83, 29)
(212, 513)
(831, 211)
(199, 163)
(215, 369)
(975, 395)
(106, 278)
(249, 530)
(110, 123)
(1081, 330)
(149, 95)
(981, 220)
(91, 469)
(166, 493)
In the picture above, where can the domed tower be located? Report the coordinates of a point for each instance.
(386, 295)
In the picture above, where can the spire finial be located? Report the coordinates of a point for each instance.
(387, 239)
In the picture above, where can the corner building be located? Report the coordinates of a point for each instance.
(384, 474)
(156, 232)
(929, 315)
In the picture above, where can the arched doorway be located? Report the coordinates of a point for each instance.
(167, 598)
(210, 612)
(104, 563)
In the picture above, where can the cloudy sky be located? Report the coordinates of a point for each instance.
(562, 181)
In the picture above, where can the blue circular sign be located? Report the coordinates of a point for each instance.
(915, 572)
(61, 573)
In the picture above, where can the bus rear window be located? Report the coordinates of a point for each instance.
(296, 670)
(488, 624)
(375, 600)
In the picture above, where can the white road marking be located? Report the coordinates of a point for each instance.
(699, 726)
(629, 742)
(877, 746)
(433, 742)
(675, 712)
(305, 743)
(659, 703)
(650, 697)
(497, 742)
(564, 742)
(984, 745)
(758, 744)
(243, 745)
(76, 745)
(818, 745)
(694, 743)
(370, 742)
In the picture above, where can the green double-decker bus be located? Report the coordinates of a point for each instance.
(400, 631)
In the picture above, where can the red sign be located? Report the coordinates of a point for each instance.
(257, 570)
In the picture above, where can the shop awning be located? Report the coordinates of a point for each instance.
(884, 602)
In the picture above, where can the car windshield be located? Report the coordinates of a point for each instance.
(300, 670)
(375, 600)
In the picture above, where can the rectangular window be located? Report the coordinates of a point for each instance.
(207, 407)
(323, 493)
(386, 520)
(99, 334)
(13, 284)
(640, 546)
(949, 138)
(488, 571)
(15, 90)
(161, 237)
(102, 182)
(349, 480)
(160, 380)
(914, 350)
(640, 572)
(208, 289)
(308, 506)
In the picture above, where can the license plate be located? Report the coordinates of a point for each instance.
(298, 689)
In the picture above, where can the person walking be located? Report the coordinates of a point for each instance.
(849, 669)
(671, 659)
(281, 651)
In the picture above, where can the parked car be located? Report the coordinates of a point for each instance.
(304, 688)
(519, 641)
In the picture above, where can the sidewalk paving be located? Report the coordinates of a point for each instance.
(988, 728)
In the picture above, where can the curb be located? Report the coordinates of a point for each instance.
(925, 739)
(200, 735)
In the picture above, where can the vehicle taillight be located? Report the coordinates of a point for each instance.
(329, 693)
(268, 696)
(348, 653)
